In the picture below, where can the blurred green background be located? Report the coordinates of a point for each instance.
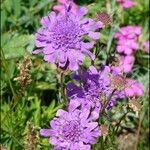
(26, 108)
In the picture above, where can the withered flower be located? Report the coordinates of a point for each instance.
(24, 67)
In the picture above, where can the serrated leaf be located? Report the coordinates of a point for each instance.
(15, 47)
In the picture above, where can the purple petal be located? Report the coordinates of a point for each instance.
(91, 126)
(61, 113)
(85, 114)
(73, 105)
(90, 54)
(94, 35)
(37, 51)
(45, 21)
(50, 58)
(93, 70)
(82, 11)
(45, 132)
(53, 140)
(48, 50)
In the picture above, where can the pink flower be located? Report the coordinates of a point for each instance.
(146, 46)
(126, 3)
(127, 39)
(125, 64)
(130, 32)
(134, 88)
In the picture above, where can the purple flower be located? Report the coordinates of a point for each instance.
(72, 130)
(61, 38)
(95, 83)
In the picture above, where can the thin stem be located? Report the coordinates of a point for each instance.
(107, 102)
(138, 133)
(118, 124)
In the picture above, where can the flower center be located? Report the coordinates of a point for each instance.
(66, 34)
(71, 131)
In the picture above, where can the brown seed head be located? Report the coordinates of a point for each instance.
(104, 17)
(32, 139)
(118, 82)
(104, 129)
(134, 104)
(24, 76)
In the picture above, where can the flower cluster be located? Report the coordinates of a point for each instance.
(62, 41)
(127, 45)
(61, 37)
(99, 86)
(126, 3)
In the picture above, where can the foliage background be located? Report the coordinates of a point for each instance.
(25, 109)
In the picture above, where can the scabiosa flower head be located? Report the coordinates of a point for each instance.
(72, 130)
(95, 83)
(88, 94)
(61, 38)
(126, 3)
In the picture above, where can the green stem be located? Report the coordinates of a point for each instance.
(118, 124)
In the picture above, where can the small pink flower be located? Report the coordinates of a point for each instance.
(126, 3)
(125, 65)
(134, 88)
(127, 39)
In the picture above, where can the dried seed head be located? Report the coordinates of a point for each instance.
(104, 129)
(104, 17)
(32, 139)
(118, 82)
(134, 104)
(24, 67)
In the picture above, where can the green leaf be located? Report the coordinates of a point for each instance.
(17, 7)
(15, 47)
(8, 5)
